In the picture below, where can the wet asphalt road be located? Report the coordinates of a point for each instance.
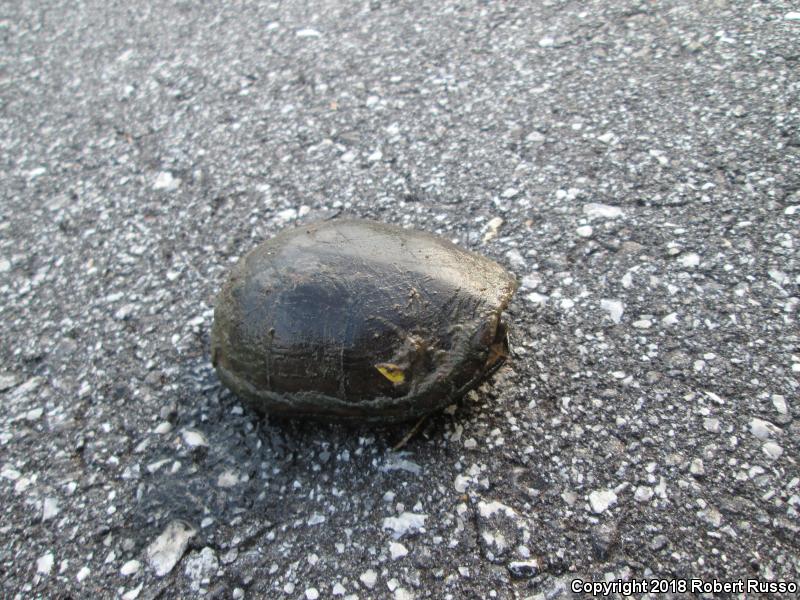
(635, 164)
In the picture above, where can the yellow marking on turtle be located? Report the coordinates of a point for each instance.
(392, 372)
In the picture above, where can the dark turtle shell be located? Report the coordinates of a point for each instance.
(358, 320)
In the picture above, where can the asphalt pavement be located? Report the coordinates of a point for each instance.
(635, 164)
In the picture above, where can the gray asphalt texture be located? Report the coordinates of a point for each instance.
(635, 164)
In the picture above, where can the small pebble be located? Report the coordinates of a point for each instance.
(492, 227)
(606, 138)
(772, 450)
(689, 260)
(779, 402)
(227, 478)
(397, 550)
(614, 308)
(531, 281)
(763, 430)
(165, 181)
(193, 438)
(164, 427)
(369, 578)
(643, 494)
(44, 563)
(166, 550)
(7, 381)
(602, 500)
(515, 258)
(524, 569)
(49, 508)
(509, 193)
(130, 567)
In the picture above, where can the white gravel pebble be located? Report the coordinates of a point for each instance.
(670, 319)
(368, 578)
(535, 137)
(462, 483)
(487, 509)
(130, 567)
(643, 493)
(492, 227)
(132, 594)
(10, 474)
(404, 523)
(49, 508)
(167, 549)
(509, 193)
(193, 438)
(711, 516)
(531, 281)
(515, 258)
(584, 231)
(614, 308)
(594, 210)
(44, 563)
(162, 428)
(602, 500)
(165, 181)
(536, 298)
(764, 430)
(689, 260)
(772, 450)
(227, 478)
(397, 550)
(316, 519)
(606, 138)
(287, 214)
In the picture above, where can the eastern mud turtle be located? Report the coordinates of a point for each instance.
(358, 320)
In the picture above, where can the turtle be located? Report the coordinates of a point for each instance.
(361, 321)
